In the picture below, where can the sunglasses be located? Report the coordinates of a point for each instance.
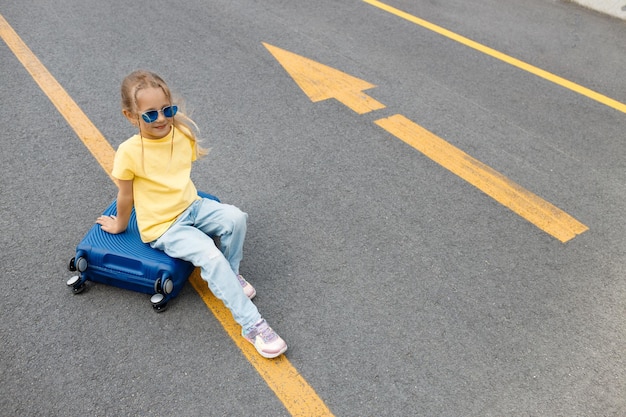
(152, 115)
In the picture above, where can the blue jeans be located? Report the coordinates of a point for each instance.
(189, 238)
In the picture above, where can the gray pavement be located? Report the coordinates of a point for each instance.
(401, 289)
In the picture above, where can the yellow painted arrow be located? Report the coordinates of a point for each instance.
(320, 82)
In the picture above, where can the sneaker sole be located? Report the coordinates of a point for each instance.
(273, 355)
(268, 355)
(251, 296)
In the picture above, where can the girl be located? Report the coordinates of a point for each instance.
(153, 170)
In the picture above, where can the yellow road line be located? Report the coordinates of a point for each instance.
(541, 213)
(503, 57)
(294, 392)
(76, 118)
(288, 385)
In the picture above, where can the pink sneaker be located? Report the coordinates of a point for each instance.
(248, 289)
(266, 341)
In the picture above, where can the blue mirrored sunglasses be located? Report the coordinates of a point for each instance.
(152, 115)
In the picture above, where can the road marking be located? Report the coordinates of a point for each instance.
(539, 212)
(321, 82)
(503, 57)
(76, 118)
(290, 387)
(310, 75)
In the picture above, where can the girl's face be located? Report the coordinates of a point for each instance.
(152, 98)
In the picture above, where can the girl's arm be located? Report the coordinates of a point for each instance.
(117, 224)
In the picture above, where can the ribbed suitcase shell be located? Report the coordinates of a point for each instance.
(124, 261)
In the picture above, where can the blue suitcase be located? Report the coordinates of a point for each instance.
(124, 261)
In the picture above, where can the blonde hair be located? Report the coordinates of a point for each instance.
(141, 79)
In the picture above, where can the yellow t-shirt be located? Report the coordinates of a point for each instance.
(161, 173)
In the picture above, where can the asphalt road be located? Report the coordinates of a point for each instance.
(401, 289)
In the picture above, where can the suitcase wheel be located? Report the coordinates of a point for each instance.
(163, 286)
(77, 284)
(159, 302)
(72, 265)
(80, 264)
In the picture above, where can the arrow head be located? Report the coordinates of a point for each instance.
(320, 82)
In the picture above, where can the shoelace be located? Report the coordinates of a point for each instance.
(242, 281)
(265, 331)
(268, 334)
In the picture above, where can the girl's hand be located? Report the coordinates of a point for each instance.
(110, 224)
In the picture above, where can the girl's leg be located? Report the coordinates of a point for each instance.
(226, 221)
(184, 241)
